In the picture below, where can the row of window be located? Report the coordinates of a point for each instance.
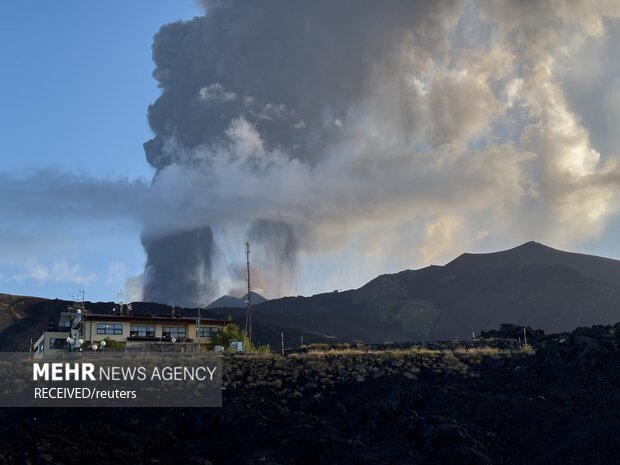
(110, 328)
(206, 331)
(141, 331)
(174, 331)
(134, 331)
(149, 331)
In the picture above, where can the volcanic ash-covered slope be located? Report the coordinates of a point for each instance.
(530, 285)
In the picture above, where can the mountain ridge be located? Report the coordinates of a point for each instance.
(535, 253)
(229, 301)
(530, 285)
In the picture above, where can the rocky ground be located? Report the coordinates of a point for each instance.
(485, 401)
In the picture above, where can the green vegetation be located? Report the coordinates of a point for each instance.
(112, 344)
(416, 317)
(232, 332)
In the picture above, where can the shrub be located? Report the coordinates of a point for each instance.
(112, 344)
(230, 332)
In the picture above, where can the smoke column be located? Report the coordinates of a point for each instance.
(179, 267)
(363, 137)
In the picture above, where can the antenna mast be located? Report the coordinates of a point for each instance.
(198, 304)
(82, 307)
(248, 300)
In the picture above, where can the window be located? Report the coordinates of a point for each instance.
(65, 324)
(206, 331)
(58, 343)
(142, 331)
(110, 328)
(174, 331)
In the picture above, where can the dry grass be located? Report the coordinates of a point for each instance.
(528, 349)
(451, 354)
(318, 369)
(476, 351)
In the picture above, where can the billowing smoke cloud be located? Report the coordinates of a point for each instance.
(293, 71)
(366, 136)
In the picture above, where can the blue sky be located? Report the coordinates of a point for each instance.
(75, 85)
(76, 82)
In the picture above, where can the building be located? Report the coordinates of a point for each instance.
(81, 330)
(51, 343)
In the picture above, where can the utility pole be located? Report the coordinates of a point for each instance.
(248, 300)
(524, 335)
(82, 309)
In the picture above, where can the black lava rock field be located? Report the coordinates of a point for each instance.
(485, 401)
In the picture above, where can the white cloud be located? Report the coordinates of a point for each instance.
(216, 92)
(57, 272)
(443, 239)
(48, 193)
(133, 291)
(117, 272)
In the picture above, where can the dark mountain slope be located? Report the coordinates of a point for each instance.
(531, 285)
(534, 253)
(23, 318)
(555, 298)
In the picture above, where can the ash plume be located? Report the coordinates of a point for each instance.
(275, 245)
(179, 267)
(360, 137)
